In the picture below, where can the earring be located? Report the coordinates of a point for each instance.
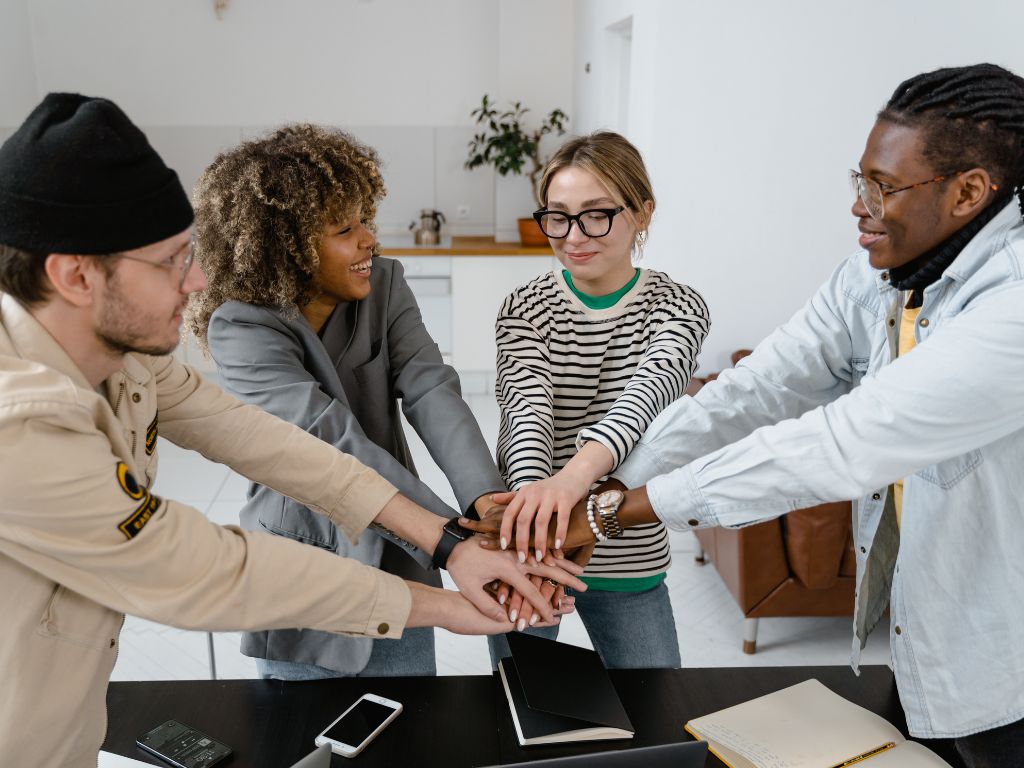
(638, 244)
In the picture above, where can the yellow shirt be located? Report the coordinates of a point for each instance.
(908, 322)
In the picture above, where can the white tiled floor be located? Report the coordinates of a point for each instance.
(709, 623)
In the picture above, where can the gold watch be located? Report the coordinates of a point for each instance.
(608, 504)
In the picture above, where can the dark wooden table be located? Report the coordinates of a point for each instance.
(454, 721)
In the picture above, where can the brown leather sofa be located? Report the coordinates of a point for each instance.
(801, 564)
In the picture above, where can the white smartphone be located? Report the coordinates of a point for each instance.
(359, 724)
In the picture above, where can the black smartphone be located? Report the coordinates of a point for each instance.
(183, 746)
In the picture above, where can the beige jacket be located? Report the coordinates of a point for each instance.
(83, 541)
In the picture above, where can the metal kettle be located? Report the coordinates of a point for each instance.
(429, 230)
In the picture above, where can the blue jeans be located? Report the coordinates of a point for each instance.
(629, 630)
(410, 656)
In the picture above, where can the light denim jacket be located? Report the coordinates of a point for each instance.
(823, 411)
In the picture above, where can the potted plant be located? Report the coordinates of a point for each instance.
(507, 145)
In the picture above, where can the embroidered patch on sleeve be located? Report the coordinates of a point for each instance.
(128, 483)
(151, 437)
(135, 522)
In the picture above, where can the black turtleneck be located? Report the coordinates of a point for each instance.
(916, 275)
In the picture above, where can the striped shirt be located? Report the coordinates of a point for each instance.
(568, 374)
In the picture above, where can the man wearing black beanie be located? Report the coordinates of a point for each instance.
(95, 270)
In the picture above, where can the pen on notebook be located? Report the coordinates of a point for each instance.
(865, 755)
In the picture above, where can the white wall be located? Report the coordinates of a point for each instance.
(17, 69)
(750, 113)
(541, 69)
(347, 62)
(403, 75)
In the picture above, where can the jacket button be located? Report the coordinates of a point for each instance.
(924, 322)
(892, 322)
(693, 523)
(898, 631)
(112, 642)
(863, 550)
(876, 496)
(136, 397)
(885, 275)
(383, 628)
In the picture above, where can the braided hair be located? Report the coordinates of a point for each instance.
(971, 117)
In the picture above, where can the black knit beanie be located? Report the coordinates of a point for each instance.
(79, 177)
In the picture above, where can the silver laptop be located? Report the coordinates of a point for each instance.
(689, 755)
(319, 758)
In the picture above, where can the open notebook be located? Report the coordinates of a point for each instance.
(807, 726)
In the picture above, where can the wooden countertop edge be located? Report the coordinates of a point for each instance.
(470, 246)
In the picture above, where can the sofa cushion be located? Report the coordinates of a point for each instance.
(816, 541)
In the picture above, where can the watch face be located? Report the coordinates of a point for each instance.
(611, 498)
(456, 530)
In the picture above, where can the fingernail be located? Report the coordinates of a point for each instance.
(522, 557)
(540, 555)
(533, 619)
(513, 614)
(501, 599)
(504, 543)
(558, 543)
(521, 625)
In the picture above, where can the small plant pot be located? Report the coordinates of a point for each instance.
(530, 233)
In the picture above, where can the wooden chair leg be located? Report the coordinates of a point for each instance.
(750, 635)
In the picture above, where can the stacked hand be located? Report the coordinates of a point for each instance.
(528, 522)
(485, 575)
(577, 546)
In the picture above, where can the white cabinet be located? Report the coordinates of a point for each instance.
(459, 297)
(479, 285)
(430, 278)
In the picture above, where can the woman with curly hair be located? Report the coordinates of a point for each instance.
(304, 320)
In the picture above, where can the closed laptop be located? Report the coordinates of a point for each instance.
(690, 755)
(319, 758)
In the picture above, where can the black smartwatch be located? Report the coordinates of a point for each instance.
(451, 534)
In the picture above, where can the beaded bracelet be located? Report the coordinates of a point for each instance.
(590, 519)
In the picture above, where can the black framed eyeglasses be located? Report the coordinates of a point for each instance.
(593, 222)
(169, 264)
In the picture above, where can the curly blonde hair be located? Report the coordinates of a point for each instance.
(261, 209)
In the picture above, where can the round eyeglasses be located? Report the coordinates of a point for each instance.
(873, 193)
(593, 222)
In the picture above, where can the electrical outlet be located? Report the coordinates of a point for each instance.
(462, 212)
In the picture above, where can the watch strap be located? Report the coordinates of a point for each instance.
(452, 534)
(610, 521)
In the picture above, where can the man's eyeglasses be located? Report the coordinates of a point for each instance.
(593, 222)
(175, 262)
(873, 193)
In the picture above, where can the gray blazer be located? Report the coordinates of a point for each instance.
(344, 386)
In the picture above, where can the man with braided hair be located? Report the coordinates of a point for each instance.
(897, 385)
